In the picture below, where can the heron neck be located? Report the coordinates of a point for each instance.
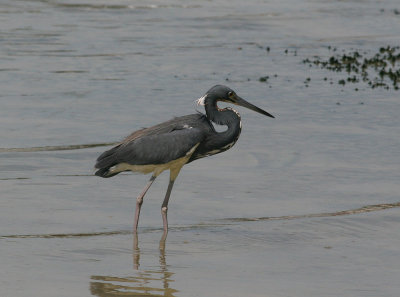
(228, 117)
(224, 116)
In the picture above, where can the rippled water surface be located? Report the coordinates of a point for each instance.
(306, 204)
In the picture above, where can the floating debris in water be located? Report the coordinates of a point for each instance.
(380, 70)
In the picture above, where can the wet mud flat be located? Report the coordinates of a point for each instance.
(303, 205)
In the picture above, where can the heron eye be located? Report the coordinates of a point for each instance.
(230, 94)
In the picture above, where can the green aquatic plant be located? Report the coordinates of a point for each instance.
(381, 69)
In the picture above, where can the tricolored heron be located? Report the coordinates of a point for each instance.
(174, 143)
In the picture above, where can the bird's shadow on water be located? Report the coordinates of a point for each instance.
(154, 282)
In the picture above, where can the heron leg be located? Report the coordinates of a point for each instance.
(139, 202)
(164, 207)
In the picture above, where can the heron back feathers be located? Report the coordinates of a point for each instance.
(159, 144)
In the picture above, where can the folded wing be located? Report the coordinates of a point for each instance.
(155, 145)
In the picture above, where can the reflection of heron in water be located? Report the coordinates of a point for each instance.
(136, 252)
(145, 283)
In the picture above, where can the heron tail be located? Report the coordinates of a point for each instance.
(105, 172)
(105, 161)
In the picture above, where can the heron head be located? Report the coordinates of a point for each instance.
(225, 94)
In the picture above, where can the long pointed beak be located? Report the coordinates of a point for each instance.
(241, 102)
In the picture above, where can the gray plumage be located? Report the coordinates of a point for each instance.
(159, 144)
(171, 140)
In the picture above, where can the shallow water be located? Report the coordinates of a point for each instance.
(303, 205)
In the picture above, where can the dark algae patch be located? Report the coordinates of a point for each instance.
(379, 70)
